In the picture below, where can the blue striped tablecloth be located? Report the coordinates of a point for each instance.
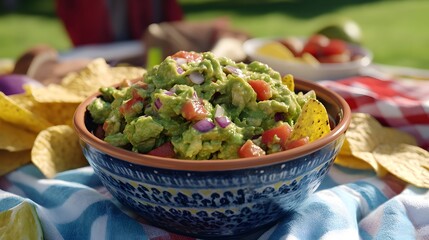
(349, 204)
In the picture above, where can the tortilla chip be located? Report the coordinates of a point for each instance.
(18, 115)
(49, 111)
(77, 86)
(56, 113)
(288, 80)
(365, 134)
(10, 161)
(89, 80)
(13, 138)
(57, 149)
(126, 72)
(346, 159)
(313, 122)
(55, 93)
(406, 162)
(352, 162)
(20, 222)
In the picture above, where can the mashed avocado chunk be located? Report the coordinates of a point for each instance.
(203, 106)
(100, 110)
(142, 133)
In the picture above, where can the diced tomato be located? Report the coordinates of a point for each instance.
(282, 132)
(319, 39)
(249, 149)
(165, 150)
(315, 45)
(105, 126)
(297, 143)
(311, 49)
(140, 84)
(335, 47)
(126, 107)
(194, 110)
(262, 89)
(327, 50)
(189, 56)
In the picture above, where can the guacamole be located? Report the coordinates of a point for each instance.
(199, 106)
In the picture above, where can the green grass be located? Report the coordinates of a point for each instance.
(394, 30)
(29, 24)
(20, 32)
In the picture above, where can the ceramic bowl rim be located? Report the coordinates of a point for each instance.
(218, 165)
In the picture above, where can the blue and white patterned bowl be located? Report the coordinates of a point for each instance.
(216, 198)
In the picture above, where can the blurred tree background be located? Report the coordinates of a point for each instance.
(394, 30)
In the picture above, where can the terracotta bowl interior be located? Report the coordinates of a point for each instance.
(336, 106)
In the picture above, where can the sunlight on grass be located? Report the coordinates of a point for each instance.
(394, 30)
(20, 32)
(396, 35)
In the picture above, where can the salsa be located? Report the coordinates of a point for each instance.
(199, 106)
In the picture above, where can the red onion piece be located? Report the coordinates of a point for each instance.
(233, 70)
(13, 83)
(195, 96)
(180, 70)
(219, 111)
(173, 89)
(181, 61)
(223, 121)
(158, 103)
(256, 137)
(169, 93)
(204, 125)
(99, 132)
(279, 116)
(196, 77)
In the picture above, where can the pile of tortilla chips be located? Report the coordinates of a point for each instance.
(37, 126)
(369, 145)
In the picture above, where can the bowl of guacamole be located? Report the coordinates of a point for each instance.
(206, 147)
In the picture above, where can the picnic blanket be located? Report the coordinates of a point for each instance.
(349, 204)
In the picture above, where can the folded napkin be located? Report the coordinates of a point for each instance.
(349, 204)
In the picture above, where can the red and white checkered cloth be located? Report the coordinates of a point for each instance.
(395, 103)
